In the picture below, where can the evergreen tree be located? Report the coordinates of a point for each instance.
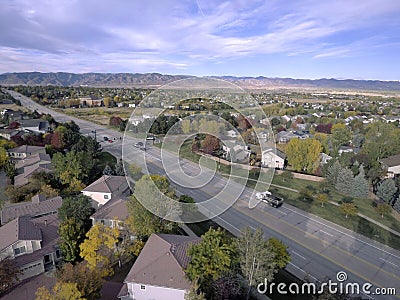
(119, 168)
(345, 181)
(360, 188)
(396, 204)
(108, 170)
(333, 172)
(386, 190)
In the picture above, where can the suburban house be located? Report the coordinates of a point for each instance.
(273, 159)
(8, 133)
(39, 206)
(13, 114)
(91, 100)
(325, 158)
(112, 214)
(347, 149)
(34, 125)
(392, 164)
(234, 151)
(158, 272)
(38, 158)
(106, 188)
(25, 151)
(31, 243)
(29, 171)
(231, 133)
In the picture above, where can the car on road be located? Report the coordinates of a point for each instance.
(138, 145)
(105, 138)
(110, 141)
(270, 199)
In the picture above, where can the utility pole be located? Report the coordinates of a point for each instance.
(94, 131)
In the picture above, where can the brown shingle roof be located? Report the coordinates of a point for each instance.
(115, 208)
(20, 229)
(40, 158)
(26, 149)
(391, 161)
(162, 261)
(106, 184)
(22, 179)
(32, 209)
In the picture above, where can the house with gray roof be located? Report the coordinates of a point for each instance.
(8, 133)
(38, 158)
(29, 171)
(39, 206)
(25, 151)
(34, 125)
(392, 164)
(158, 272)
(31, 243)
(105, 188)
(112, 214)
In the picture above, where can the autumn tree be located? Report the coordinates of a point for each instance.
(322, 198)
(348, 208)
(61, 291)
(304, 155)
(383, 209)
(98, 248)
(211, 258)
(210, 144)
(186, 126)
(256, 257)
(88, 282)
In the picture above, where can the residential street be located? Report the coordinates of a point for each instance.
(319, 249)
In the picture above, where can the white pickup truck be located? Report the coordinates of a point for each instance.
(267, 197)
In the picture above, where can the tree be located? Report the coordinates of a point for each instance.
(10, 170)
(8, 274)
(304, 155)
(383, 209)
(361, 185)
(88, 282)
(108, 171)
(322, 198)
(186, 126)
(119, 168)
(211, 258)
(77, 207)
(3, 157)
(256, 257)
(61, 291)
(386, 190)
(333, 171)
(115, 121)
(396, 204)
(71, 236)
(282, 256)
(210, 144)
(98, 248)
(348, 208)
(135, 171)
(107, 101)
(341, 135)
(194, 293)
(345, 181)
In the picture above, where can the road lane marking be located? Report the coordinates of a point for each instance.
(294, 252)
(326, 233)
(389, 262)
(300, 269)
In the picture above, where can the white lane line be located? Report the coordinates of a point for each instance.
(389, 262)
(294, 252)
(229, 223)
(252, 227)
(326, 233)
(344, 233)
(300, 269)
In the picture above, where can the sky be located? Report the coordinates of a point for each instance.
(357, 39)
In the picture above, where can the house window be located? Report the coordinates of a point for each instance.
(47, 259)
(105, 196)
(20, 250)
(143, 287)
(58, 253)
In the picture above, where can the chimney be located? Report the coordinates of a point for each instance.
(45, 222)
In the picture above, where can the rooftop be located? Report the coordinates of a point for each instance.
(391, 161)
(106, 184)
(162, 261)
(26, 149)
(114, 209)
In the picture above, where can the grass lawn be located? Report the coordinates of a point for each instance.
(105, 158)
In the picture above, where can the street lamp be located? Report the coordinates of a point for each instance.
(94, 131)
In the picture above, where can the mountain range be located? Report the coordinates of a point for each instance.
(156, 79)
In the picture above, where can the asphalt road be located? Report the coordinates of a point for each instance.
(319, 249)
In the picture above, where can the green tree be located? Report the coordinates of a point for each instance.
(396, 204)
(98, 248)
(88, 282)
(211, 258)
(345, 181)
(361, 186)
(119, 168)
(304, 155)
(386, 190)
(341, 135)
(61, 291)
(3, 157)
(8, 274)
(282, 256)
(78, 207)
(333, 172)
(71, 236)
(108, 171)
(348, 208)
(256, 257)
(10, 170)
(383, 209)
(186, 126)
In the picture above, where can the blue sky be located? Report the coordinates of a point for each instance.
(357, 39)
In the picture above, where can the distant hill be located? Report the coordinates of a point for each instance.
(156, 79)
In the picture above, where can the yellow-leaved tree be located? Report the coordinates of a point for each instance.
(99, 247)
(303, 155)
(61, 291)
